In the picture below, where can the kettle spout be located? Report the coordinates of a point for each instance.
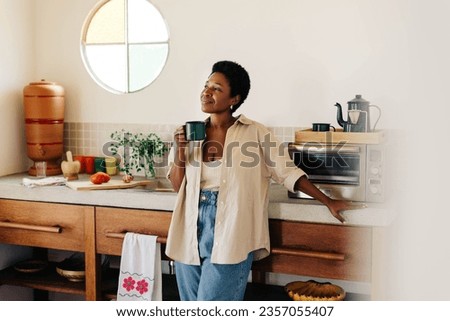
(340, 120)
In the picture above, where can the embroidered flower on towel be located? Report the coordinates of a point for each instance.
(128, 283)
(142, 286)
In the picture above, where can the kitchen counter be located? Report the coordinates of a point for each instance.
(305, 238)
(280, 206)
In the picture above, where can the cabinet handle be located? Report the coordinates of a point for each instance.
(307, 253)
(39, 228)
(159, 239)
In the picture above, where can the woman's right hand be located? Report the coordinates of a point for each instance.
(180, 137)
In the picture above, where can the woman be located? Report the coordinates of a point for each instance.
(220, 222)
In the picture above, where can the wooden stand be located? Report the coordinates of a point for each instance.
(338, 136)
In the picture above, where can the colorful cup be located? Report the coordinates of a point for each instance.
(82, 161)
(99, 163)
(89, 162)
(111, 165)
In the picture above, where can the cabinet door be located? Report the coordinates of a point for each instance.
(48, 225)
(113, 223)
(319, 250)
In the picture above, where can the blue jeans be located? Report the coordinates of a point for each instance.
(209, 281)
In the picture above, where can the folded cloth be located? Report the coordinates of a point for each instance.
(140, 277)
(47, 181)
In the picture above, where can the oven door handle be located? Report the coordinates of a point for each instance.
(334, 178)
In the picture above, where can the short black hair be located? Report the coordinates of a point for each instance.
(237, 77)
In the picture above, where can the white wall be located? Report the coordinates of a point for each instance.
(302, 56)
(17, 69)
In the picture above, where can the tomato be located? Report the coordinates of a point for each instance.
(96, 179)
(99, 178)
(104, 176)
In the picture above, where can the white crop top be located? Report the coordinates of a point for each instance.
(210, 175)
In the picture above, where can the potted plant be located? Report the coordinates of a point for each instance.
(137, 151)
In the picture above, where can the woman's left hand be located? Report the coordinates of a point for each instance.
(336, 208)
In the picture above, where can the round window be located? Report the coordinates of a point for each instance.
(124, 44)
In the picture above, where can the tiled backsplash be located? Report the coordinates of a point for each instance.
(91, 138)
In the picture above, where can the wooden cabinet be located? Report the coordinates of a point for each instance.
(111, 226)
(54, 226)
(113, 223)
(309, 249)
(51, 226)
(318, 250)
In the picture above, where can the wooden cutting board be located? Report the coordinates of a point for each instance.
(112, 184)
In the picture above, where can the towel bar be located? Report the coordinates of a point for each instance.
(159, 239)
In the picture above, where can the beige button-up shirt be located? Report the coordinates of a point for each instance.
(251, 158)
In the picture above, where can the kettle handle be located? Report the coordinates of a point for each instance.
(379, 116)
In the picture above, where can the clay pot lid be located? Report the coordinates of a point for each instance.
(42, 82)
(43, 88)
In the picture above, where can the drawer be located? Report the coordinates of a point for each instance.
(49, 225)
(113, 223)
(319, 250)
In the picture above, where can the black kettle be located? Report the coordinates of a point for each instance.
(358, 115)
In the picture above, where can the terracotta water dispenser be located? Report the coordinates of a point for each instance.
(44, 124)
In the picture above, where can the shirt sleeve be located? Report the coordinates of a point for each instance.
(279, 163)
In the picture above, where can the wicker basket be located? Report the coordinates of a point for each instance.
(314, 291)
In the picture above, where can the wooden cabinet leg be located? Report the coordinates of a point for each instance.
(92, 260)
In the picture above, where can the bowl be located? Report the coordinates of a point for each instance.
(31, 266)
(72, 269)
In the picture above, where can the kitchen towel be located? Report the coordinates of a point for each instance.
(47, 181)
(140, 277)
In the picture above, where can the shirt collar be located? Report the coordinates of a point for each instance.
(241, 118)
(244, 120)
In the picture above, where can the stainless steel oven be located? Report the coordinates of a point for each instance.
(342, 171)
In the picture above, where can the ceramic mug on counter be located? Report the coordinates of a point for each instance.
(99, 164)
(89, 162)
(111, 165)
(322, 127)
(82, 161)
(195, 130)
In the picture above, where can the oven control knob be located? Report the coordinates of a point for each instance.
(374, 189)
(375, 170)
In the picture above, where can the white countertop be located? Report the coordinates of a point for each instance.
(280, 205)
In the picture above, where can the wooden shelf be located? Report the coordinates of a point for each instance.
(338, 136)
(47, 280)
